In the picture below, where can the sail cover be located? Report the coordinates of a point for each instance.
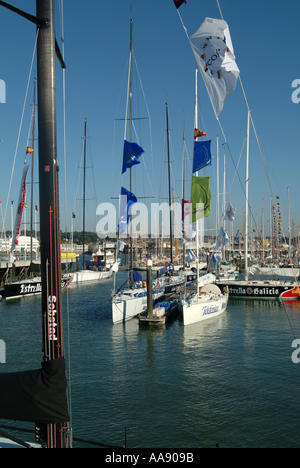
(214, 55)
(20, 208)
(37, 396)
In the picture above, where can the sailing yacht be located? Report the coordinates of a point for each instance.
(26, 286)
(130, 302)
(92, 272)
(254, 289)
(207, 303)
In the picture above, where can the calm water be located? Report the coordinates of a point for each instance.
(229, 380)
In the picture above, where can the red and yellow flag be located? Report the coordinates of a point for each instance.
(199, 133)
(29, 150)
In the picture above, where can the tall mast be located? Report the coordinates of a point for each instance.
(169, 178)
(247, 191)
(197, 223)
(49, 202)
(183, 188)
(53, 434)
(83, 197)
(32, 160)
(130, 139)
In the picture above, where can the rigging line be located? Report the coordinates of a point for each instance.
(127, 100)
(143, 159)
(149, 117)
(220, 9)
(61, 10)
(236, 170)
(254, 129)
(185, 30)
(21, 122)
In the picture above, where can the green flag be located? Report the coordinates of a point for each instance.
(200, 195)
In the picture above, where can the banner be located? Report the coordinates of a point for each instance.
(131, 153)
(200, 198)
(127, 200)
(202, 155)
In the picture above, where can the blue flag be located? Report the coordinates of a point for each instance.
(132, 151)
(202, 155)
(127, 200)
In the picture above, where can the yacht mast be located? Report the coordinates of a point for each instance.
(49, 203)
(169, 179)
(247, 192)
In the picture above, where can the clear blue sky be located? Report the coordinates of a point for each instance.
(265, 35)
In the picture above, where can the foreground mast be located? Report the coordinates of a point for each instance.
(39, 396)
(55, 434)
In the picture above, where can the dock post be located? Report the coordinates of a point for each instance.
(149, 290)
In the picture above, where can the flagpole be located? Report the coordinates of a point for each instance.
(247, 191)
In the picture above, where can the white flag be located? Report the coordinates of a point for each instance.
(214, 54)
(115, 267)
(230, 212)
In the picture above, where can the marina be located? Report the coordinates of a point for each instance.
(147, 323)
(232, 379)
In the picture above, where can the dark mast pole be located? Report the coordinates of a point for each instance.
(49, 203)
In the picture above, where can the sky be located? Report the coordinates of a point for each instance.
(96, 45)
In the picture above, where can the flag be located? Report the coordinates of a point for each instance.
(120, 246)
(191, 257)
(127, 200)
(186, 218)
(73, 215)
(132, 151)
(115, 267)
(29, 150)
(36, 208)
(222, 239)
(200, 195)
(230, 212)
(199, 133)
(202, 155)
(178, 3)
(214, 55)
(26, 206)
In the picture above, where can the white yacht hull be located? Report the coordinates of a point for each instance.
(127, 306)
(200, 308)
(90, 275)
